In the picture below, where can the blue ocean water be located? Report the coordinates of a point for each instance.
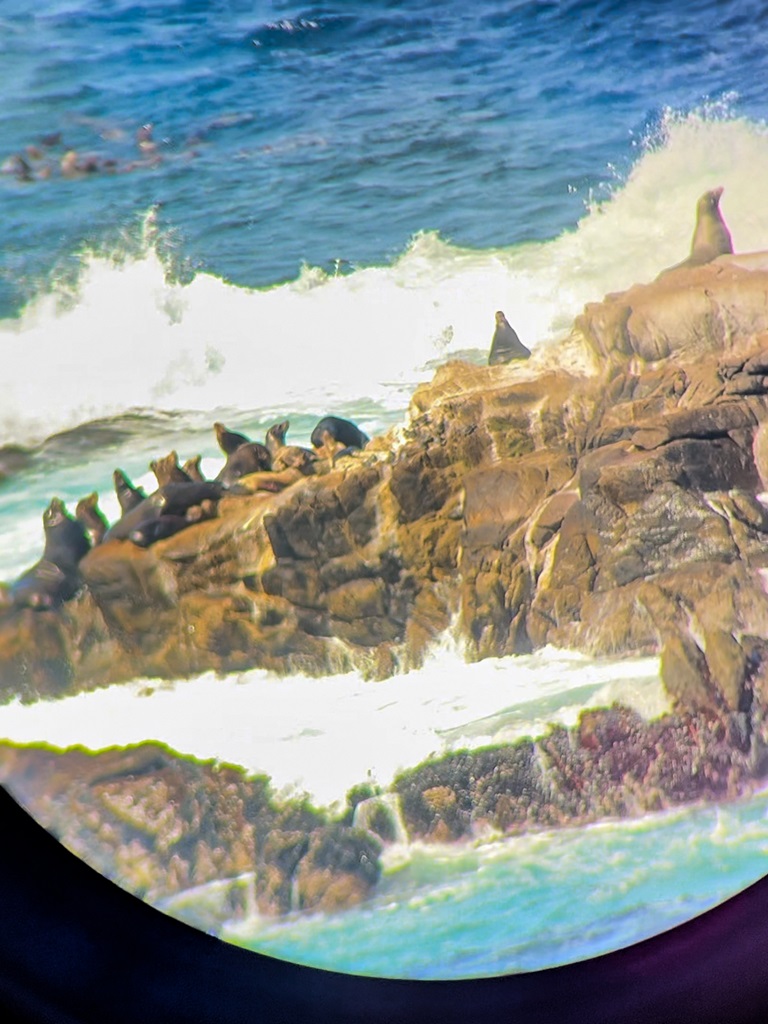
(286, 210)
(286, 134)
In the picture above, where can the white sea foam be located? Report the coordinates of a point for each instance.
(129, 339)
(323, 736)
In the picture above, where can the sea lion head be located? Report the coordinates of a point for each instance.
(710, 200)
(277, 433)
(55, 514)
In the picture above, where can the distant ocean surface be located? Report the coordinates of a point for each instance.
(220, 209)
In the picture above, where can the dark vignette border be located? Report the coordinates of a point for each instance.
(76, 948)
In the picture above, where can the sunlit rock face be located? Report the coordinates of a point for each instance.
(602, 496)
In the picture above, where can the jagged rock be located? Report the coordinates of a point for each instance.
(613, 511)
(340, 868)
(608, 510)
(158, 823)
(612, 763)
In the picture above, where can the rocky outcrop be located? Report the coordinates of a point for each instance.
(612, 765)
(159, 824)
(602, 496)
(610, 508)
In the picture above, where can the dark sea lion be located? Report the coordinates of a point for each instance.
(711, 237)
(43, 587)
(229, 440)
(275, 437)
(332, 433)
(87, 511)
(178, 497)
(192, 468)
(251, 457)
(148, 508)
(506, 345)
(288, 456)
(151, 530)
(55, 578)
(66, 541)
(173, 499)
(128, 496)
(168, 471)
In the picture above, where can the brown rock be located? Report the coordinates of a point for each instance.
(340, 869)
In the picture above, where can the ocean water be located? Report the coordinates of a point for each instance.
(295, 210)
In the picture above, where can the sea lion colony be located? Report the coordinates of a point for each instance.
(184, 497)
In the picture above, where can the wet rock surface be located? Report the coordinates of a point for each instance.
(159, 824)
(601, 496)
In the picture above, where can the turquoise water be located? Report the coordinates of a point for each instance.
(532, 902)
(331, 201)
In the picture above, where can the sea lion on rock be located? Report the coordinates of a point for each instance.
(243, 455)
(251, 457)
(334, 436)
(288, 456)
(152, 530)
(43, 587)
(168, 471)
(65, 538)
(506, 345)
(192, 468)
(55, 578)
(711, 237)
(87, 511)
(174, 499)
(128, 496)
(229, 440)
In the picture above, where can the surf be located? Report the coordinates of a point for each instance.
(127, 337)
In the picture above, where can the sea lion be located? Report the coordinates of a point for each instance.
(87, 512)
(711, 237)
(55, 578)
(251, 457)
(151, 530)
(128, 496)
(229, 440)
(173, 499)
(332, 434)
(168, 471)
(288, 456)
(506, 345)
(18, 167)
(66, 541)
(43, 587)
(192, 468)
(150, 507)
(73, 165)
